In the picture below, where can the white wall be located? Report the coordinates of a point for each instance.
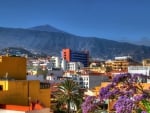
(10, 111)
(45, 110)
(139, 70)
(145, 70)
(73, 66)
(64, 64)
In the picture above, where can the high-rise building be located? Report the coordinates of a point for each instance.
(76, 56)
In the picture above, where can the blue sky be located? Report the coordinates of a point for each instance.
(110, 19)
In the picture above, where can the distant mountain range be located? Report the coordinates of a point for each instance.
(47, 28)
(50, 40)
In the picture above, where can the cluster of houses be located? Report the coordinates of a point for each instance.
(20, 75)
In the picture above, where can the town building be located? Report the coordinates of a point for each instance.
(76, 56)
(146, 62)
(91, 80)
(86, 79)
(53, 75)
(13, 67)
(144, 70)
(54, 62)
(121, 63)
(72, 66)
(17, 92)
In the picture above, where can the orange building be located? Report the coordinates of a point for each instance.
(66, 54)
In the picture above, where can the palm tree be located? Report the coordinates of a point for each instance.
(69, 94)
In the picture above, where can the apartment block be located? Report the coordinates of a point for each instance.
(76, 56)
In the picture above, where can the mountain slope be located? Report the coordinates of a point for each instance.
(52, 43)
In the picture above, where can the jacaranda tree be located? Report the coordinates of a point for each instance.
(128, 93)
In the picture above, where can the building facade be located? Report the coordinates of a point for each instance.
(54, 62)
(87, 80)
(15, 89)
(76, 56)
(145, 70)
(146, 62)
(12, 67)
(121, 63)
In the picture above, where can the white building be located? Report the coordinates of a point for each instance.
(123, 58)
(54, 62)
(145, 70)
(88, 80)
(64, 64)
(72, 66)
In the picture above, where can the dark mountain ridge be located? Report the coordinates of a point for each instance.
(46, 27)
(51, 43)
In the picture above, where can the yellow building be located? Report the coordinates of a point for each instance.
(13, 67)
(15, 89)
(23, 92)
(121, 63)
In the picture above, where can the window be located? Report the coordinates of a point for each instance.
(1, 87)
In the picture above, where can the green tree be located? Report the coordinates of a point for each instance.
(69, 94)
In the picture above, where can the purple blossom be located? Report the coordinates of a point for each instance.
(137, 98)
(124, 88)
(118, 78)
(143, 112)
(124, 105)
(89, 104)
